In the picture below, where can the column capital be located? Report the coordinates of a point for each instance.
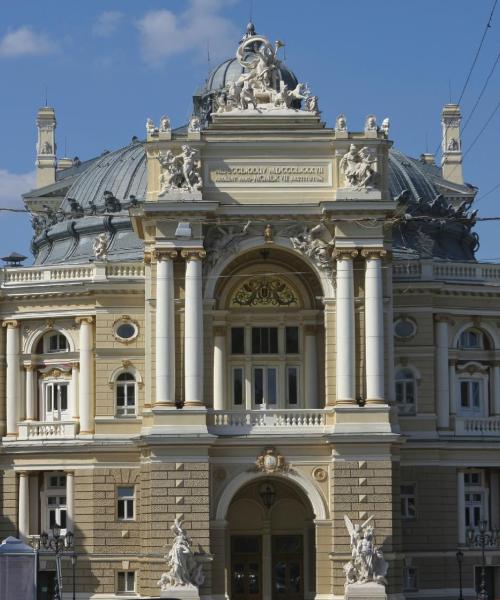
(373, 253)
(29, 367)
(87, 319)
(147, 257)
(310, 329)
(193, 253)
(219, 330)
(164, 254)
(344, 253)
(440, 318)
(11, 323)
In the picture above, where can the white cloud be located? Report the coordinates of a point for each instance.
(12, 186)
(164, 34)
(106, 23)
(25, 42)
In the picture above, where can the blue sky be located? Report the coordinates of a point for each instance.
(109, 64)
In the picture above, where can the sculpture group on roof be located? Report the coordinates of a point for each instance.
(359, 167)
(261, 85)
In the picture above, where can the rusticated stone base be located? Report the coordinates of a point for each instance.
(365, 591)
(181, 593)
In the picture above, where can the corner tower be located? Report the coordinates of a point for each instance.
(46, 147)
(451, 162)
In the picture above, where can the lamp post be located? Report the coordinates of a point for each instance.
(73, 566)
(58, 544)
(482, 539)
(460, 558)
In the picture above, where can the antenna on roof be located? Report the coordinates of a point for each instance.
(208, 52)
(46, 102)
(449, 89)
(65, 147)
(426, 143)
(251, 11)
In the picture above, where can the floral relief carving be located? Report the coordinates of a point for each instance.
(265, 292)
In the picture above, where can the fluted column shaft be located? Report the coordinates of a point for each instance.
(74, 395)
(461, 507)
(86, 396)
(30, 393)
(13, 374)
(496, 389)
(374, 326)
(311, 368)
(345, 328)
(442, 373)
(193, 328)
(165, 329)
(219, 368)
(24, 505)
(70, 501)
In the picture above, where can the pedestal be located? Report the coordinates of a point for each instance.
(365, 591)
(181, 592)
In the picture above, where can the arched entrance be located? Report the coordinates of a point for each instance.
(271, 542)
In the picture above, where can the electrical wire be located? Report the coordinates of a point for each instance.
(490, 74)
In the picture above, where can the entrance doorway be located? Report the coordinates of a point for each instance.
(272, 547)
(46, 585)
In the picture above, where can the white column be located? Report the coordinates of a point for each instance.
(86, 376)
(461, 507)
(451, 384)
(442, 373)
(193, 329)
(374, 326)
(495, 405)
(345, 328)
(30, 393)
(165, 329)
(75, 412)
(311, 368)
(70, 501)
(24, 506)
(219, 368)
(495, 499)
(13, 375)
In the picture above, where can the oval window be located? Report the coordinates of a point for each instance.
(125, 331)
(405, 328)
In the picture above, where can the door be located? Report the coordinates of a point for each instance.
(246, 567)
(287, 567)
(46, 581)
(56, 401)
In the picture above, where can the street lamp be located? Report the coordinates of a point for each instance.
(58, 544)
(482, 539)
(460, 558)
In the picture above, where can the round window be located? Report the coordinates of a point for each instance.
(125, 331)
(405, 328)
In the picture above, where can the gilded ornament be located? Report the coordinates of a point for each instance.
(265, 292)
(270, 462)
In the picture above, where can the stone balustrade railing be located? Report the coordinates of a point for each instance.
(231, 422)
(427, 270)
(478, 426)
(44, 430)
(14, 277)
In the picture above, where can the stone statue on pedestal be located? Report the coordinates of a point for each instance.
(367, 564)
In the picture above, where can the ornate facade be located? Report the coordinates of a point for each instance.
(255, 326)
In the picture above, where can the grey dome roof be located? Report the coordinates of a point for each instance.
(99, 198)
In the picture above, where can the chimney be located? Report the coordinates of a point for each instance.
(451, 145)
(64, 163)
(46, 147)
(428, 159)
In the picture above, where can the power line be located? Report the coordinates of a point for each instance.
(482, 92)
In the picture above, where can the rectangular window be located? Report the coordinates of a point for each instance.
(408, 501)
(237, 340)
(264, 340)
(126, 502)
(125, 582)
(238, 382)
(409, 578)
(471, 400)
(56, 506)
(292, 388)
(292, 340)
(265, 386)
(473, 509)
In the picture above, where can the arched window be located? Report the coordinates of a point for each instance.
(406, 392)
(126, 395)
(472, 339)
(53, 342)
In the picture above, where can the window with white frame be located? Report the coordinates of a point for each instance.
(125, 497)
(53, 497)
(125, 582)
(55, 342)
(471, 339)
(126, 395)
(406, 392)
(408, 501)
(55, 399)
(475, 496)
(409, 578)
(471, 394)
(277, 383)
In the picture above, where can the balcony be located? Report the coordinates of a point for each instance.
(466, 272)
(277, 422)
(47, 431)
(478, 426)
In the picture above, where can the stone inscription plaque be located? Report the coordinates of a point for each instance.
(270, 174)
